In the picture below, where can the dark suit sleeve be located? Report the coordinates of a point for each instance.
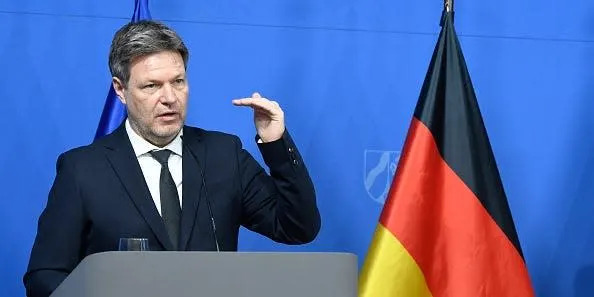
(282, 205)
(56, 250)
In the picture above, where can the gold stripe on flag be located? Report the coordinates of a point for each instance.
(389, 269)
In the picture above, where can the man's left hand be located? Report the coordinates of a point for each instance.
(269, 118)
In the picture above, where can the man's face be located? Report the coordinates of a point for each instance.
(156, 96)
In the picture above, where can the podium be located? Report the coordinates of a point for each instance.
(212, 274)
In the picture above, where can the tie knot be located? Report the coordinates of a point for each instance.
(161, 156)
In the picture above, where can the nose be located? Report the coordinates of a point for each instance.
(168, 95)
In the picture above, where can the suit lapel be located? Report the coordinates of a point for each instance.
(194, 157)
(125, 164)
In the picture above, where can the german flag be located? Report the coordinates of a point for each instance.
(446, 228)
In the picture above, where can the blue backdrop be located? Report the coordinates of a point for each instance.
(348, 74)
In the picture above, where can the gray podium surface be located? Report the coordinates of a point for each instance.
(229, 274)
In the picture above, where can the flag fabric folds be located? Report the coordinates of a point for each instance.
(446, 228)
(114, 112)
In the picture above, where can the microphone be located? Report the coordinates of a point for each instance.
(212, 220)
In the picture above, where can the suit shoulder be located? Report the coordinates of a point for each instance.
(80, 153)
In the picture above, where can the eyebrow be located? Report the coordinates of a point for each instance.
(180, 75)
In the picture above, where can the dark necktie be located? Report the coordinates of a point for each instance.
(170, 210)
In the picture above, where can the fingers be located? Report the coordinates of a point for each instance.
(258, 103)
(255, 100)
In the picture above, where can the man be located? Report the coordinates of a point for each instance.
(155, 178)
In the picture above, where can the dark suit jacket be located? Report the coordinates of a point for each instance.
(99, 195)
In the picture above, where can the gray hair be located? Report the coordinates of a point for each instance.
(140, 39)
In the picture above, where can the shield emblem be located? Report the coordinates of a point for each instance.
(379, 169)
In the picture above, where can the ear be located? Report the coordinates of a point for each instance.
(119, 88)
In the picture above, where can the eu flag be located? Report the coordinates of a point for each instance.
(114, 112)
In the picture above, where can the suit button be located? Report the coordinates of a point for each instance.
(295, 162)
(291, 150)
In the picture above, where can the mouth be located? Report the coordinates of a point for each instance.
(168, 116)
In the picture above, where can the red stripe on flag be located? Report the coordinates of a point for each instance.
(438, 219)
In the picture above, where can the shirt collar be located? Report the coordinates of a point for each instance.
(141, 146)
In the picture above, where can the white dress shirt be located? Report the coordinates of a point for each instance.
(151, 169)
